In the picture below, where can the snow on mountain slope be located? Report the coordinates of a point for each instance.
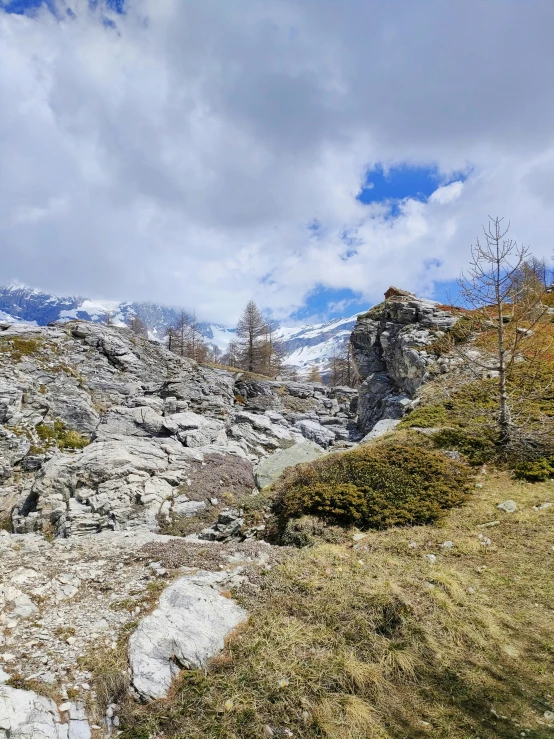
(7, 318)
(303, 346)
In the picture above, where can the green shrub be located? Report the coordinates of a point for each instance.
(426, 417)
(477, 448)
(6, 524)
(343, 502)
(465, 327)
(19, 346)
(537, 470)
(375, 486)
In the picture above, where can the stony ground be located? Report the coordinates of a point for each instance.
(61, 600)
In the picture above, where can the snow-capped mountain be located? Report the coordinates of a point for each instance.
(306, 346)
(303, 346)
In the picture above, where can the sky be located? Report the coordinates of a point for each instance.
(303, 153)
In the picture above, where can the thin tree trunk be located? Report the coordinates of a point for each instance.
(504, 417)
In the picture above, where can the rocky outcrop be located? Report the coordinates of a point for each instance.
(390, 346)
(101, 429)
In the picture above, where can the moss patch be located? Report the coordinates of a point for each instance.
(58, 435)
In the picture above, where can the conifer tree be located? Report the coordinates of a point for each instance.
(137, 326)
(251, 330)
(314, 374)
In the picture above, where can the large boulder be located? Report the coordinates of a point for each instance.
(385, 426)
(272, 467)
(188, 627)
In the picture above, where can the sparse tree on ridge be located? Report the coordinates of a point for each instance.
(289, 373)
(184, 338)
(256, 347)
(137, 326)
(251, 329)
(271, 350)
(314, 374)
(342, 369)
(231, 356)
(504, 285)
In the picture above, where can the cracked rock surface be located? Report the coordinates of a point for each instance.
(188, 627)
(103, 430)
(391, 349)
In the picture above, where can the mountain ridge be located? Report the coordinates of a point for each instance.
(303, 346)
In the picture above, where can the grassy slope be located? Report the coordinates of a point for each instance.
(372, 640)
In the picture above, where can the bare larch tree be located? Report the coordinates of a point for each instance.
(502, 287)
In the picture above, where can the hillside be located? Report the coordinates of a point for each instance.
(193, 552)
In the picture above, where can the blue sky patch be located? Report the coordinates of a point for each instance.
(326, 301)
(447, 293)
(23, 6)
(398, 183)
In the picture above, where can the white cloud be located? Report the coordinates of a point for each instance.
(180, 156)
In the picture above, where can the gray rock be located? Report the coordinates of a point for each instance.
(381, 427)
(316, 432)
(159, 426)
(389, 349)
(188, 628)
(271, 468)
(508, 506)
(27, 715)
(188, 508)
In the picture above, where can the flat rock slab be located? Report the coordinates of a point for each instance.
(187, 629)
(271, 468)
(381, 428)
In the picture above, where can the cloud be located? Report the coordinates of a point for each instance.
(179, 152)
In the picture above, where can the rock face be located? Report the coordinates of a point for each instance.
(189, 626)
(390, 347)
(102, 429)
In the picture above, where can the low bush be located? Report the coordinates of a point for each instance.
(536, 470)
(375, 486)
(477, 448)
(19, 347)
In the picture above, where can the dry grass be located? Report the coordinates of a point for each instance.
(372, 640)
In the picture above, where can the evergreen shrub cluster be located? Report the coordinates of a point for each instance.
(537, 470)
(374, 486)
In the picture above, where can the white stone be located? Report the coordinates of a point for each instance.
(27, 715)
(188, 627)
